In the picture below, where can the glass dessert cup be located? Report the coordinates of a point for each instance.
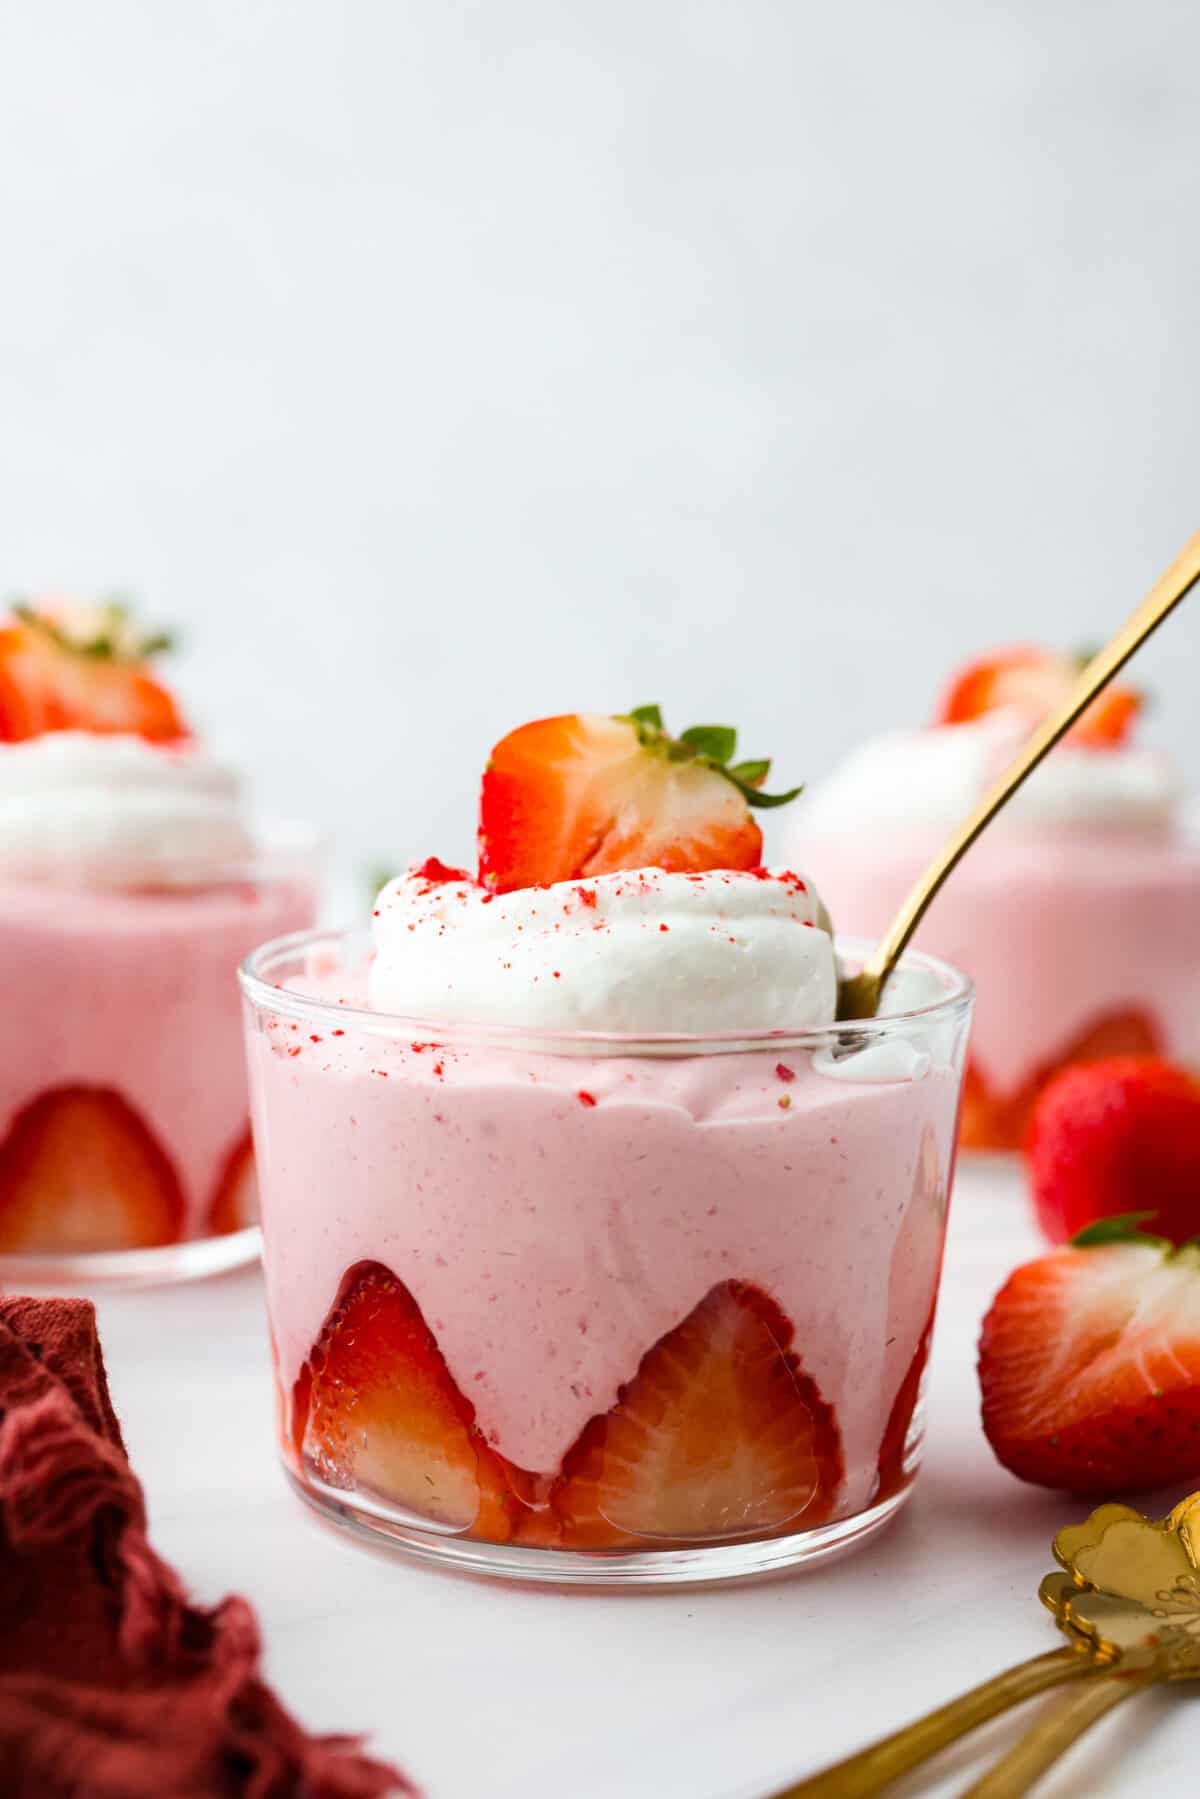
(598, 1309)
(1082, 944)
(125, 1152)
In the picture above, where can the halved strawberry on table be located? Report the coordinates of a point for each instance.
(81, 1171)
(72, 668)
(1035, 680)
(1089, 1364)
(580, 795)
(376, 1408)
(720, 1434)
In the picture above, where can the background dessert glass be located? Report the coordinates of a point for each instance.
(1081, 944)
(478, 1242)
(126, 1149)
(1077, 914)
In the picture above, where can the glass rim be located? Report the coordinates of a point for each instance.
(266, 995)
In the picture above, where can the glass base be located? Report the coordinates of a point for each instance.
(596, 1568)
(166, 1265)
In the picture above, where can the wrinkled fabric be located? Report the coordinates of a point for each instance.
(112, 1685)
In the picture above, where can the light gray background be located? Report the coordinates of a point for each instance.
(439, 364)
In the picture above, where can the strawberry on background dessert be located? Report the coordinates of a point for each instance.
(130, 888)
(584, 1232)
(1077, 913)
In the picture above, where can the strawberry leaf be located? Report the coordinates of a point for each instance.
(755, 797)
(1123, 1228)
(749, 774)
(713, 746)
(715, 743)
(107, 634)
(157, 644)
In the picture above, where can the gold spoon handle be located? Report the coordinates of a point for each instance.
(1027, 1761)
(873, 1769)
(860, 993)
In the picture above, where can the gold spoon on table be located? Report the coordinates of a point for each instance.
(859, 994)
(1128, 1603)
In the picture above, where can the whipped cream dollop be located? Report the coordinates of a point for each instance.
(111, 810)
(641, 953)
(936, 776)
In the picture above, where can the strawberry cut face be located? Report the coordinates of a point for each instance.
(719, 1435)
(581, 795)
(81, 1171)
(375, 1409)
(1089, 1365)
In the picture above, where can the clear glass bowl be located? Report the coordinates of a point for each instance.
(125, 1153)
(591, 1308)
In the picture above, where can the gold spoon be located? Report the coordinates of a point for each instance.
(1128, 1604)
(859, 994)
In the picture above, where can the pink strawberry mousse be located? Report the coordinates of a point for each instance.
(555, 1204)
(130, 890)
(134, 992)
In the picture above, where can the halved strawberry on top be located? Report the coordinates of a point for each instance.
(720, 1435)
(1034, 680)
(81, 669)
(375, 1407)
(81, 1171)
(1089, 1364)
(580, 795)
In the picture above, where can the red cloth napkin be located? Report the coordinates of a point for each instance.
(113, 1686)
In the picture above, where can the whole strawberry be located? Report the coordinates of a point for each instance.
(1089, 1364)
(1116, 1137)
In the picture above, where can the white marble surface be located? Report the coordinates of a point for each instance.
(721, 1694)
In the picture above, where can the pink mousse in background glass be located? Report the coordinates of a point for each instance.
(1077, 914)
(594, 1251)
(130, 889)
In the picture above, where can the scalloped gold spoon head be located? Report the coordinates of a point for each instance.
(1128, 1601)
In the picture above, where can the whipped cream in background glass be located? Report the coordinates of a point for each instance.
(109, 810)
(931, 778)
